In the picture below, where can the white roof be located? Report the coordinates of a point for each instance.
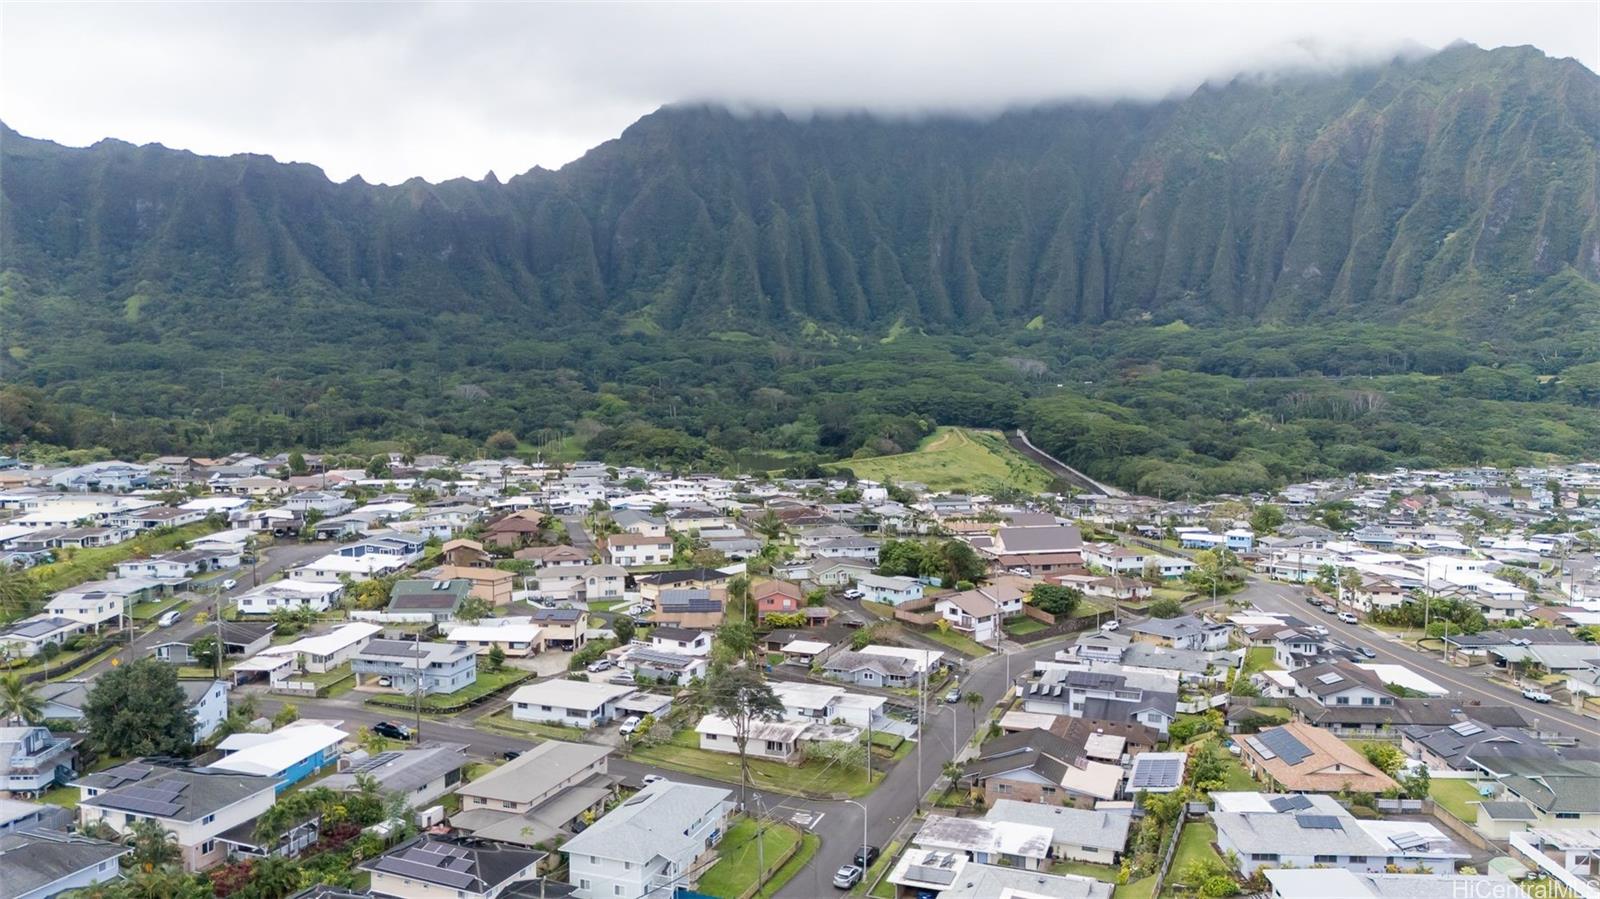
(1405, 677)
(1016, 719)
(782, 731)
(341, 637)
(1097, 779)
(476, 633)
(805, 647)
(923, 659)
(806, 696)
(570, 694)
(367, 564)
(272, 753)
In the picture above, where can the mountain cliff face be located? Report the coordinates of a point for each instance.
(1364, 195)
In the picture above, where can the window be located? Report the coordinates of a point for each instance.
(1342, 700)
(1358, 859)
(1366, 700)
(1263, 856)
(207, 846)
(584, 883)
(208, 819)
(1568, 816)
(616, 890)
(1326, 859)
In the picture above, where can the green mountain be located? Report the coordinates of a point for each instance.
(1358, 195)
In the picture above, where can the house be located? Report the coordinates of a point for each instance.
(569, 703)
(420, 775)
(778, 741)
(683, 641)
(324, 502)
(776, 598)
(288, 755)
(1297, 757)
(516, 637)
(239, 640)
(41, 864)
(892, 590)
(537, 796)
(430, 866)
(658, 841)
(563, 629)
(949, 874)
(583, 583)
(700, 607)
(872, 670)
(1561, 793)
(1340, 683)
(208, 702)
(1108, 741)
(651, 585)
(1157, 772)
(636, 550)
(1449, 746)
(196, 806)
(1182, 632)
(1010, 843)
(1113, 587)
(835, 571)
(492, 585)
(821, 703)
(24, 639)
(1323, 882)
(1097, 837)
(553, 556)
(1038, 766)
(979, 612)
(292, 594)
(1302, 831)
(321, 653)
(32, 760)
(515, 530)
(1104, 693)
(864, 548)
(438, 667)
(431, 601)
(632, 521)
(667, 667)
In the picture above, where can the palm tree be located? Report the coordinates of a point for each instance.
(153, 845)
(953, 772)
(974, 701)
(20, 702)
(274, 877)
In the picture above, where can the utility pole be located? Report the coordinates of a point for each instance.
(222, 649)
(922, 685)
(761, 849)
(864, 820)
(416, 733)
(869, 749)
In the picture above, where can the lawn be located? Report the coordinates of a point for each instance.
(1259, 658)
(488, 682)
(1193, 846)
(605, 605)
(957, 459)
(806, 779)
(1138, 889)
(66, 797)
(502, 722)
(145, 611)
(1170, 593)
(1024, 625)
(738, 866)
(88, 564)
(1456, 795)
(1107, 873)
(957, 641)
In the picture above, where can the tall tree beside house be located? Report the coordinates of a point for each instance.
(20, 702)
(624, 628)
(1266, 519)
(153, 845)
(745, 699)
(297, 463)
(139, 709)
(496, 657)
(474, 609)
(1056, 599)
(974, 701)
(736, 641)
(20, 594)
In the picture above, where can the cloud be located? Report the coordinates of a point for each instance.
(392, 91)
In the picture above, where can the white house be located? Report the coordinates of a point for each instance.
(42, 863)
(634, 550)
(517, 636)
(209, 702)
(657, 841)
(324, 652)
(892, 590)
(570, 703)
(292, 594)
(196, 806)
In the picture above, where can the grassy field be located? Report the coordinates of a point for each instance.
(87, 564)
(806, 779)
(1194, 845)
(66, 797)
(1456, 796)
(146, 611)
(502, 722)
(1137, 889)
(1259, 658)
(1024, 625)
(957, 641)
(957, 459)
(1107, 873)
(737, 868)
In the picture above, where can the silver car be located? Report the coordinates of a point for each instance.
(846, 877)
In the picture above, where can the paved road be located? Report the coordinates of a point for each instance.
(270, 560)
(1275, 597)
(577, 533)
(1020, 442)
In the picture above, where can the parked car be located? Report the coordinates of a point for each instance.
(168, 619)
(853, 594)
(1317, 629)
(511, 755)
(1366, 653)
(1111, 625)
(1349, 618)
(1328, 608)
(651, 778)
(954, 696)
(392, 731)
(630, 724)
(846, 877)
(1021, 572)
(621, 677)
(1535, 694)
(866, 855)
(229, 584)
(598, 666)
(385, 682)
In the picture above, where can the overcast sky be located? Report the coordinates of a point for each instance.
(390, 91)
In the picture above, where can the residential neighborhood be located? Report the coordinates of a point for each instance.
(502, 677)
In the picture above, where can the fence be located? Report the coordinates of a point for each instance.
(1403, 806)
(1166, 857)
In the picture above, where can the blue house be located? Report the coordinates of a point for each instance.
(290, 754)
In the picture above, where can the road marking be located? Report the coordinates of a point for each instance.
(807, 820)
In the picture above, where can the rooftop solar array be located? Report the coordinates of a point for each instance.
(1290, 803)
(1157, 773)
(1466, 729)
(431, 863)
(1318, 822)
(1284, 745)
(159, 798)
(1329, 678)
(376, 762)
(1408, 840)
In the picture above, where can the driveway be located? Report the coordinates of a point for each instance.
(1275, 597)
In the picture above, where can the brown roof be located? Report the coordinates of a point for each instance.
(1328, 765)
(765, 589)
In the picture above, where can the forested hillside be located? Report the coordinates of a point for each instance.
(1166, 292)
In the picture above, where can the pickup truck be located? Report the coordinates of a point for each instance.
(1535, 694)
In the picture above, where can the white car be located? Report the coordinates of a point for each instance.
(1535, 694)
(853, 594)
(1349, 618)
(229, 584)
(168, 619)
(630, 725)
(1111, 625)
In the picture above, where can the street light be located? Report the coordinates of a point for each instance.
(863, 834)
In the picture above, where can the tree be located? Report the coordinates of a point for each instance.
(139, 709)
(1266, 519)
(289, 713)
(739, 597)
(974, 701)
(371, 741)
(496, 657)
(1055, 599)
(20, 702)
(204, 651)
(502, 442)
(297, 463)
(1166, 607)
(1416, 782)
(20, 594)
(737, 639)
(153, 845)
(744, 699)
(474, 609)
(1386, 756)
(274, 877)
(624, 628)
(378, 467)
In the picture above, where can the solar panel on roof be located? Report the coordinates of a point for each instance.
(1466, 729)
(143, 806)
(1290, 803)
(422, 871)
(1409, 840)
(1284, 745)
(1260, 748)
(1318, 822)
(1157, 773)
(1329, 678)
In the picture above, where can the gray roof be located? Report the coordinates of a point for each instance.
(1508, 811)
(688, 600)
(473, 866)
(411, 650)
(182, 795)
(38, 858)
(37, 627)
(1077, 827)
(850, 660)
(402, 770)
(536, 771)
(651, 823)
(1064, 538)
